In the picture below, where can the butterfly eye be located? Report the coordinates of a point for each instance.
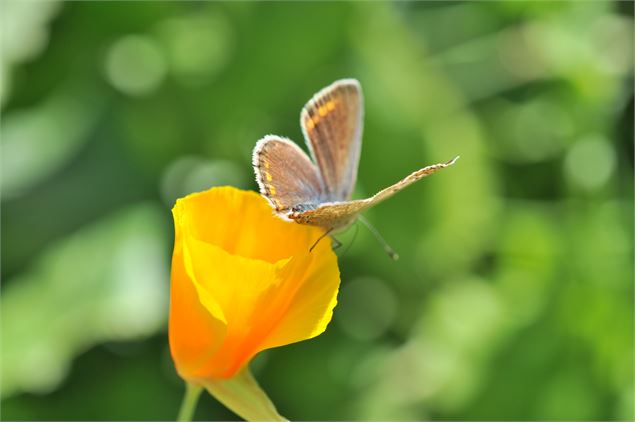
(302, 208)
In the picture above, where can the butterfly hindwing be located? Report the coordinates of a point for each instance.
(332, 125)
(285, 175)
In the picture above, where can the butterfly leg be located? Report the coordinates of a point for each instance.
(336, 243)
(320, 238)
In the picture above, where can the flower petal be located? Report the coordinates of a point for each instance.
(253, 274)
(194, 334)
(234, 283)
(309, 285)
(242, 223)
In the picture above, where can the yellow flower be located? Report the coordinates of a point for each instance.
(243, 281)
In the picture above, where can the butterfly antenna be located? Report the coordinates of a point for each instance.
(390, 251)
(352, 240)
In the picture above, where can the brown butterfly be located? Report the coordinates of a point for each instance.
(318, 192)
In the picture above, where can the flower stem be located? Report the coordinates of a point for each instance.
(242, 395)
(192, 393)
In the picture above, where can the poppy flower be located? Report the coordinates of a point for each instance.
(242, 281)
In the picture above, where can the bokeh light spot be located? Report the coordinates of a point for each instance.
(367, 308)
(613, 41)
(590, 162)
(539, 130)
(135, 65)
(184, 37)
(194, 174)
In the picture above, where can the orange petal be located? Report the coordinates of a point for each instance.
(309, 285)
(194, 334)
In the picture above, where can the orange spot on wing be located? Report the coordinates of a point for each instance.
(325, 109)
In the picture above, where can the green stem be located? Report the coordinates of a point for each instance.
(243, 396)
(192, 393)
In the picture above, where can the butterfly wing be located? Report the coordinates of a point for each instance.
(338, 215)
(285, 175)
(332, 125)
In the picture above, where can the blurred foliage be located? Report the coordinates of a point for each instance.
(513, 298)
(102, 284)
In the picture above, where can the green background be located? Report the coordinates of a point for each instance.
(513, 298)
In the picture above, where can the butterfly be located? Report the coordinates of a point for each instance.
(317, 190)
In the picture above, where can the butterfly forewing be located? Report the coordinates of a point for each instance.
(332, 126)
(286, 176)
(384, 194)
(338, 215)
(318, 193)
